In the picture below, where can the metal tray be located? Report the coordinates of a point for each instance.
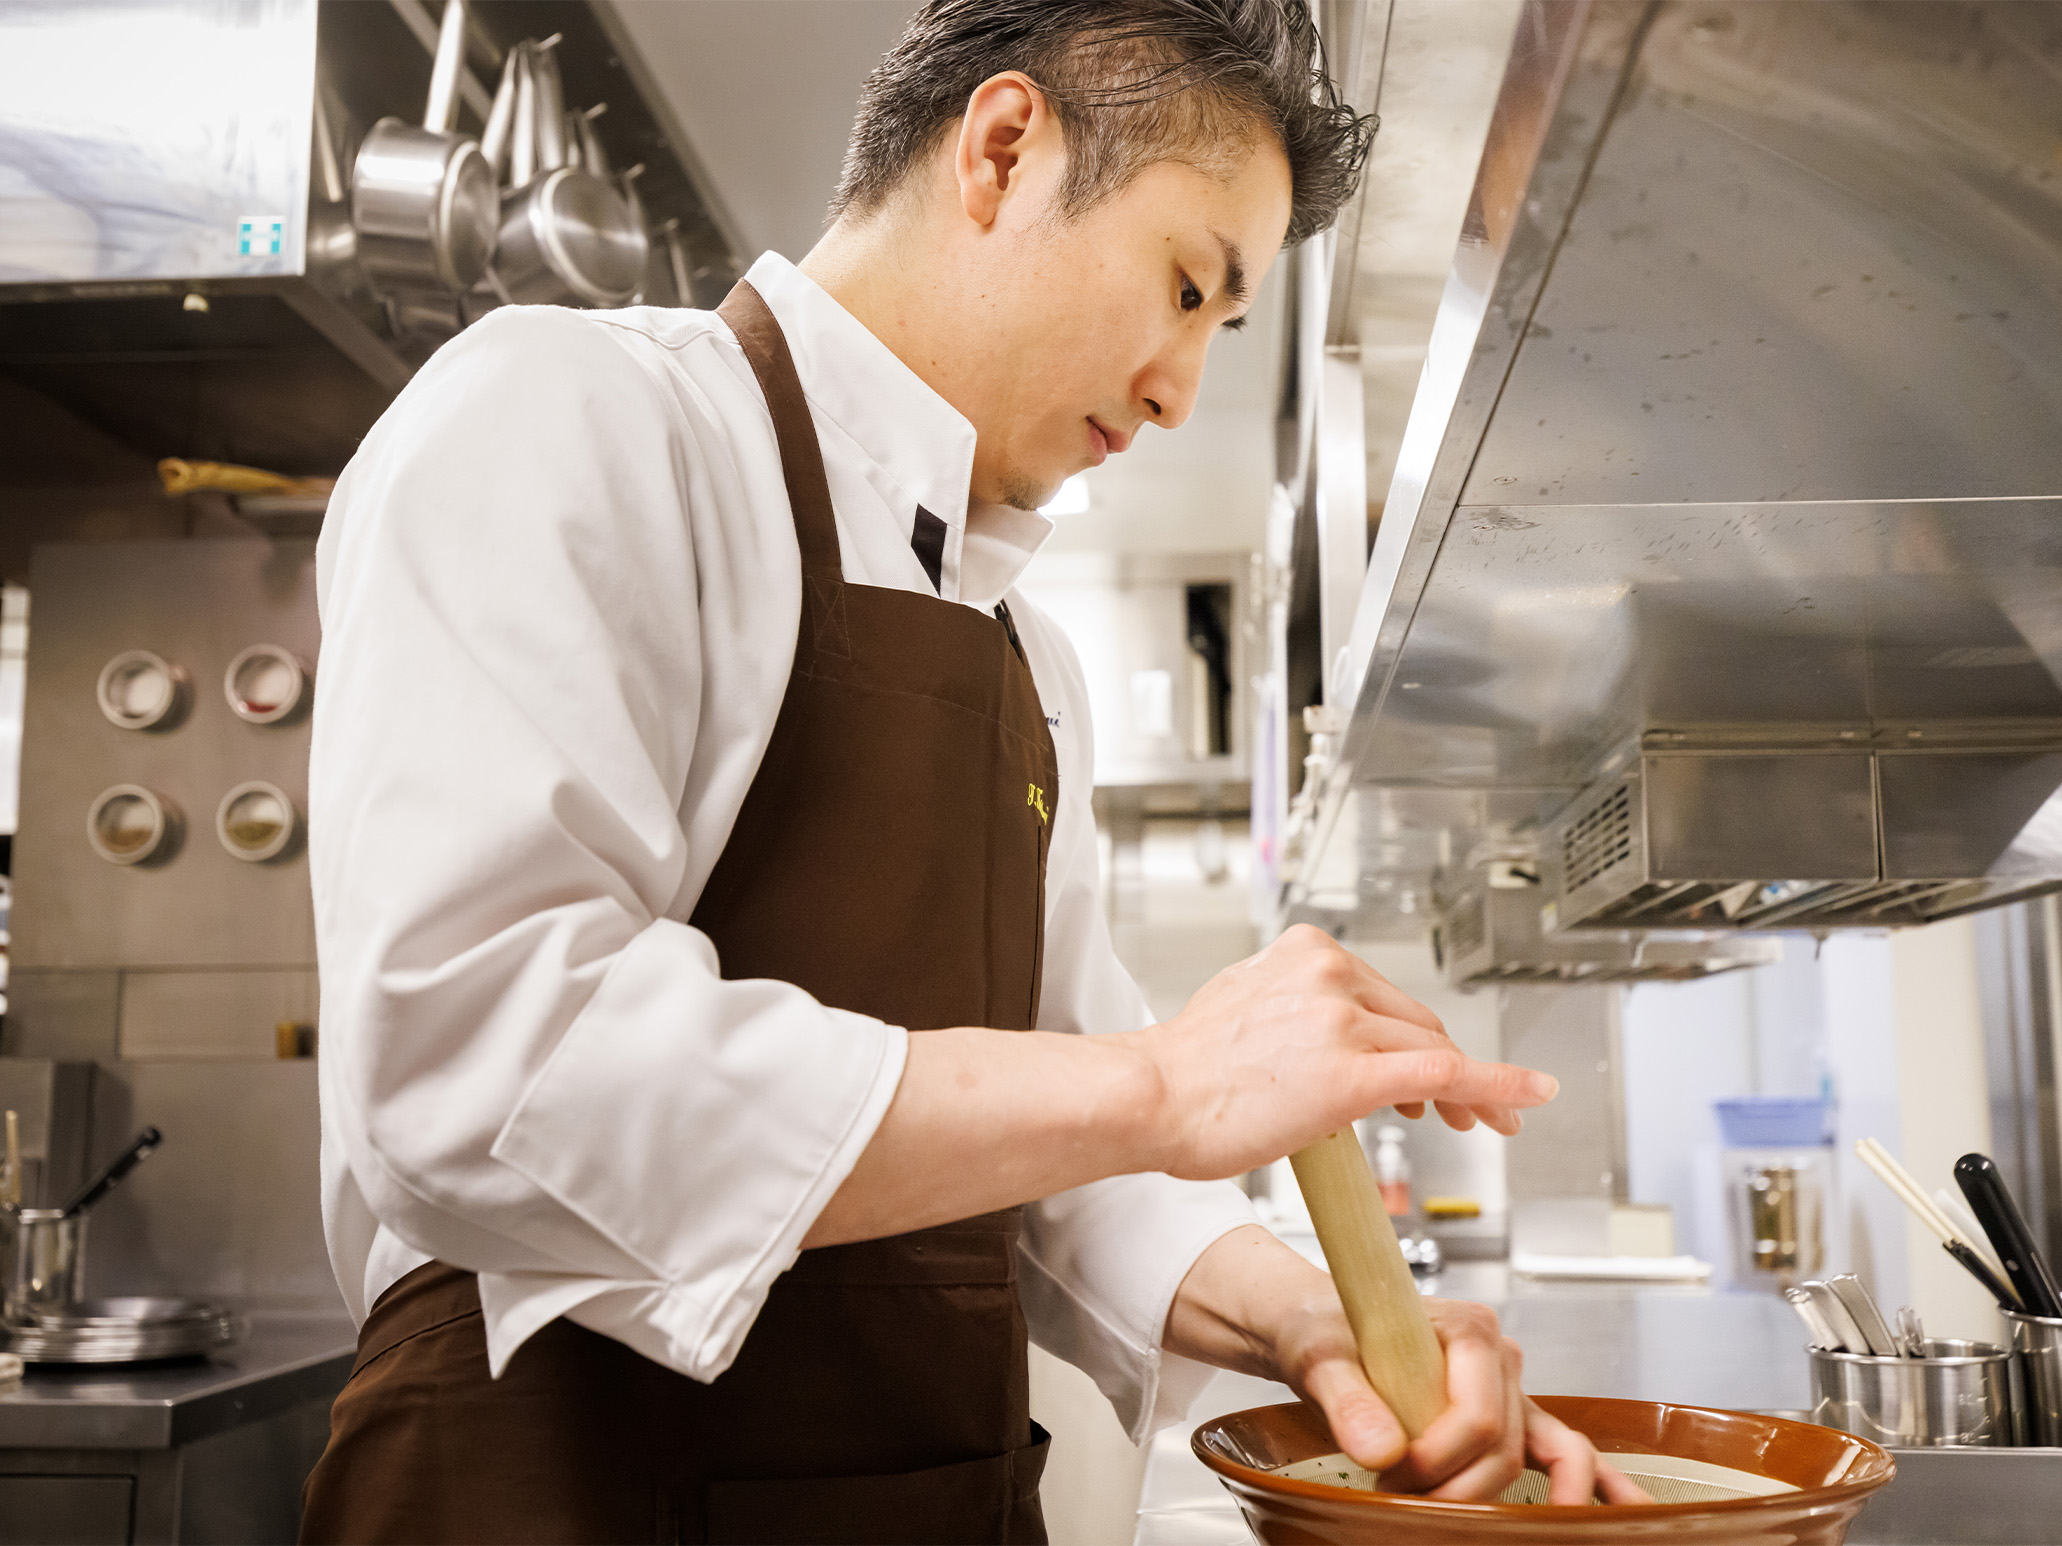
(125, 1330)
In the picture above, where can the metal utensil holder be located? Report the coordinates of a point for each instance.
(44, 1254)
(2037, 1348)
(1959, 1394)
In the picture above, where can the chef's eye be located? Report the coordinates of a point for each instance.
(1191, 297)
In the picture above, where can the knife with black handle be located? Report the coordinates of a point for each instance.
(1991, 1202)
(138, 1150)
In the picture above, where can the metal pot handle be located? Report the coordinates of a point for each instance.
(501, 117)
(442, 112)
(326, 162)
(627, 186)
(676, 260)
(552, 151)
(522, 138)
(580, 131)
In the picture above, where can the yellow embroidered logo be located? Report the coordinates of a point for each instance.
(1036, 800)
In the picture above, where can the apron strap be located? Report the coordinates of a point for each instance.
(801, 459)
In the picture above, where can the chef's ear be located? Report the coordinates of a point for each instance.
(1007, 123)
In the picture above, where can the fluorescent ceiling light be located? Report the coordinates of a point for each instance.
(1071, 498)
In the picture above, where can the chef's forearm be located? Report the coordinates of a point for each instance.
(989, 1119)
(1270, 1055)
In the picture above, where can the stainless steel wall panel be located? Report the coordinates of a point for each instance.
(1548, 634)
(1743, 652)
(1951, 815)
(211, 1014)
(2019, 977)
(230, 1207)
(54, 1102)
(1747, 817)
(58, 1014)
(197, 604)
(1819, 258)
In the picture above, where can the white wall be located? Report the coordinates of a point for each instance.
(1861, 1041)
(1894, 1020)
(1943, 1100)
(1683, 1044)
(1444, 1162)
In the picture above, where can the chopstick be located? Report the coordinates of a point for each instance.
(1900, 1181)
(2004, 1293)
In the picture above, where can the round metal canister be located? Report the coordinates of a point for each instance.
(2037, 1345)
(1960, 1393)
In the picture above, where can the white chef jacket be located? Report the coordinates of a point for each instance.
(560, 589)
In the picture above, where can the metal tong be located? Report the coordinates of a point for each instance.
(1842, 1317)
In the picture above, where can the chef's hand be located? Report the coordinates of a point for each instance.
(1298, 1041)
(1479, 1444)
(1252, 1304)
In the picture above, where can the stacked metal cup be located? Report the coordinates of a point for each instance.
(2037, 1348)
(1960, 1393)
(45, 1259)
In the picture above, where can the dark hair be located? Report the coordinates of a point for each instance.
(1131, 82)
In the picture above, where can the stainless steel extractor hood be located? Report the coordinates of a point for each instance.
(1491, 931)
(1729, 511)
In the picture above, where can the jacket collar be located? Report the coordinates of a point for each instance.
(921, 447)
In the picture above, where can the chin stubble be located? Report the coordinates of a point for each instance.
(1020, 493)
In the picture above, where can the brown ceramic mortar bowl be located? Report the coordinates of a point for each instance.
(1834, 1472)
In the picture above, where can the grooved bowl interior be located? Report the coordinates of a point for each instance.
(1833, 1472)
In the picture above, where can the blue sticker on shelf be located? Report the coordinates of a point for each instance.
(260, 236)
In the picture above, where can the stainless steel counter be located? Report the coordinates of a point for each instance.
(283, 1363)
(211, 1449)
(1649, 1342)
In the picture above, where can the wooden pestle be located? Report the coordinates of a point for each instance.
(1398, 1347)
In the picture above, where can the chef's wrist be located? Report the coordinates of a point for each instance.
(1292, 1314)
(1254, 1305)
(1142, 1123)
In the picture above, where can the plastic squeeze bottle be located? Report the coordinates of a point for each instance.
(1392, 1171)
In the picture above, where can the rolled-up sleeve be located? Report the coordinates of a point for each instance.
(531, 1064)
(1101, 1263)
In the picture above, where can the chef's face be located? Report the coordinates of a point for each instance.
(1102, 321)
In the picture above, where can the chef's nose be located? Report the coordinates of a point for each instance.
(1168, 391)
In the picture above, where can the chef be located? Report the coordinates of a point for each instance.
(725, 1063)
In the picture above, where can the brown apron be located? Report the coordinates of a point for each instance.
(890, 859)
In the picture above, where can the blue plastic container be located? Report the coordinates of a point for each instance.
(1774, 1121)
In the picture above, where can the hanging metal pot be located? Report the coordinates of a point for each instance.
(567, 236)
(423, 199)
(586, 148)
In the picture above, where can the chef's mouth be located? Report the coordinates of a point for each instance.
(1105, 442)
